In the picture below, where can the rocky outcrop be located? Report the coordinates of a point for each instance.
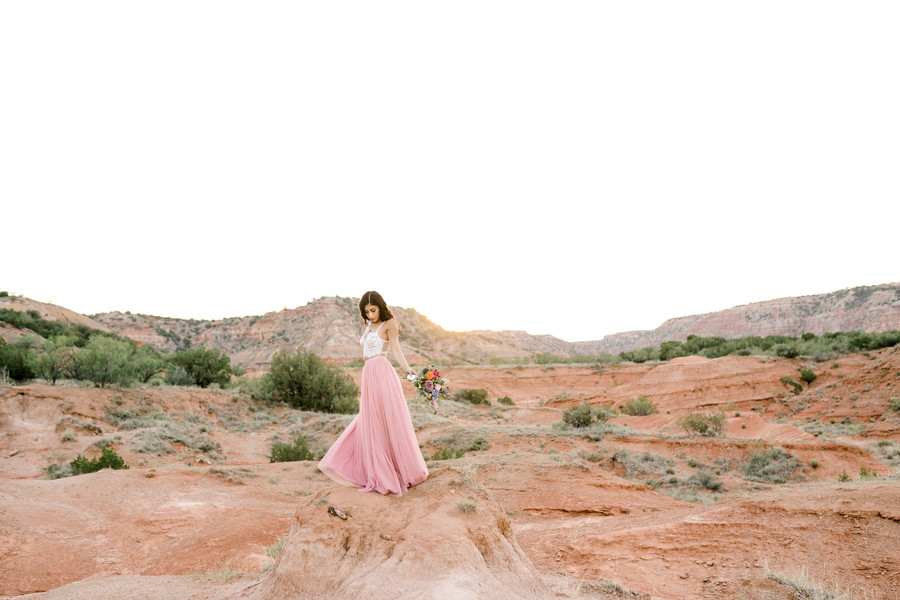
(445, 539)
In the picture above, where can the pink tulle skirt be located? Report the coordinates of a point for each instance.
(378, 452)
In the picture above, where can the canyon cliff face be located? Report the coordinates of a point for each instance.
(331, 327)
(870, 309)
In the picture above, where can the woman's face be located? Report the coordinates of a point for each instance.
(372, 312)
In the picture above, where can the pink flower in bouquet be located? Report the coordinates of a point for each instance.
(429, 386)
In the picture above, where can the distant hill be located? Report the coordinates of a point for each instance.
(870, 309)
(331, 326)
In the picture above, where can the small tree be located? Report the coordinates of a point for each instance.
(204, 366)
(145, 363)
(51, 365)
(103, 361)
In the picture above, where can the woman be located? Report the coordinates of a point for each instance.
(378, 452)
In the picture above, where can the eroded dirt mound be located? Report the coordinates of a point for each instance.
(444, 539)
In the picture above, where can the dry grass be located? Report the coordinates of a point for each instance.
(803, 586)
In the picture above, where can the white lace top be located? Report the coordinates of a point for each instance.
(372, 343)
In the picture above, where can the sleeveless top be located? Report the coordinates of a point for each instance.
(372, 343)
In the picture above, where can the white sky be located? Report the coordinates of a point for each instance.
(571, 168)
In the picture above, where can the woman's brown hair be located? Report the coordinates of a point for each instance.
(375, 299)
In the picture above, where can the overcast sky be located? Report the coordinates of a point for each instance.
(571, 168)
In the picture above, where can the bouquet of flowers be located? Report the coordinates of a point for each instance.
(431, 385)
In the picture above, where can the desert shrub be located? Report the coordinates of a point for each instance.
(641, 465)
(305, 381)
(639, 407)
(843, 477)
(204, 366)
(894, 404)
(604, 413)
(704, 479)
(579, 416)
(807, 376)
(472, 396)
(17, 360)
(790, 382)
(865, 473)
(4, 294)
(506, 401)
(834, 429)
(298, 450)
(773, 465)
(108, 459)
(701, 424)
(447, 454)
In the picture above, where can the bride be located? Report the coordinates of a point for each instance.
(378, 452)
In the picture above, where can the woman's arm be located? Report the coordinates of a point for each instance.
(393, 333)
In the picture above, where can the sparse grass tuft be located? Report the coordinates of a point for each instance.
(467, 507)
(275, 549)
(804, 587)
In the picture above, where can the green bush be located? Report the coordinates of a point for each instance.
(506, 401)
(109, 459)
(17, 360)
(640, 355)
(203, 366)
(894, 404)
(298, 450)
(472, 396)
(103, 361)
(305, 381)
(701, 424)
(579, 416)
(638, 407)
(773, 465)
(4, 294)
(807, 376)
